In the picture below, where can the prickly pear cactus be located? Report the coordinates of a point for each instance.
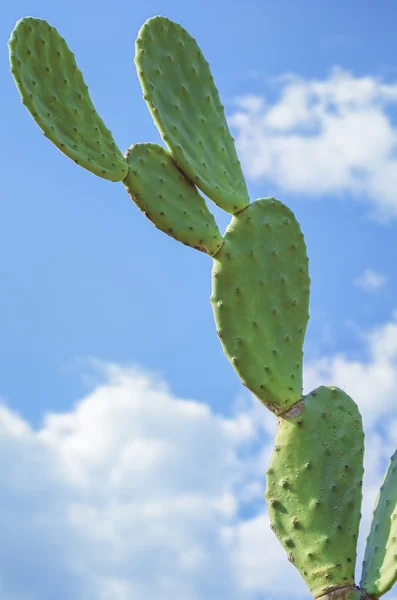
(54, 92)
(260, 299)
(380, 560)
(181, 95)
(314, 487)
(260, 295)
(169, 199)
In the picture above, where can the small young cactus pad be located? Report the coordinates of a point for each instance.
(313, 487)
(54, 92)
(169, 199)
(184, 102)
(380, 559)
(260, 299)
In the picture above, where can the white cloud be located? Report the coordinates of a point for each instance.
(370, 280)
(328, 136)
(138, 493)
(127, 495)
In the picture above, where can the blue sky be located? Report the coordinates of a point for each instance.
(101, 312)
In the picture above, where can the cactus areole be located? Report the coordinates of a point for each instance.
(260, 286)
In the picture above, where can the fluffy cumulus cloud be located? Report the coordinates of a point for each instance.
(370, 280)
(136, 493)
(322, 137)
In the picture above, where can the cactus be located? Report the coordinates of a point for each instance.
(313, 487)
(54, 91)
(261, 301)
(380, 560)
(260, 292)
(169, 199)
(181, 95)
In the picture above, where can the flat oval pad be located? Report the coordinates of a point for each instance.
(169, 199)
(182, 98)
(380, 559)
(314, 487)
(54, 92)
(260, 300)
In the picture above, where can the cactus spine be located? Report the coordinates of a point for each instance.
(261, 285)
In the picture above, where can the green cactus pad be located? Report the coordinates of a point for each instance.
(54, 92)
(260, 300)
(181, 95)
(313, 487)
(380, 559)
(169, 199)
